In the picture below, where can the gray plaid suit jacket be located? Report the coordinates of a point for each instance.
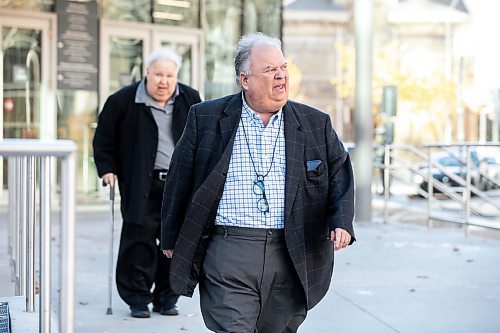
(319, 196)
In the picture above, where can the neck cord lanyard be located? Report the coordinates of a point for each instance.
(261, 177)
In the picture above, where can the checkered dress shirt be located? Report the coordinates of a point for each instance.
(238, 206)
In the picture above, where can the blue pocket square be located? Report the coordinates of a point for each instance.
(313, 165)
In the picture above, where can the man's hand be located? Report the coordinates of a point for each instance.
(168, 253)
(109, 179)
(340, 238)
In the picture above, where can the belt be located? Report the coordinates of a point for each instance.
(249, 232)
(160, 174)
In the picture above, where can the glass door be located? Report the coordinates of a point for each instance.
(27, 79)
(188, 44)
(123, 48)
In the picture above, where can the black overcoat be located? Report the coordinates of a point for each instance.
(317, 199)
(126, 141)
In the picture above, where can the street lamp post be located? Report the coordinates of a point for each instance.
(363, 161)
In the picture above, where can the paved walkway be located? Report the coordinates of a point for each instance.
(396, 278)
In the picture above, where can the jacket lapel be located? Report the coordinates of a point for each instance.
(230, 119)
(294, 150)
(228, 127)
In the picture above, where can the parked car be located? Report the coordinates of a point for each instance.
(451, 166)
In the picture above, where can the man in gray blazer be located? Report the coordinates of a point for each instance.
(259, 194)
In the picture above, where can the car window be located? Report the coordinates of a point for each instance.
(449, 161)
(474, 157)
(490, 160)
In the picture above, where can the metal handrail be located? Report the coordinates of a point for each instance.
(23, 156)
(432, 183)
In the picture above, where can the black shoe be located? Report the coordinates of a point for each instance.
(140, 312)
(163, 310)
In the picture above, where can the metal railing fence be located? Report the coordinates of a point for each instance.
(461, 195)
(26, 160)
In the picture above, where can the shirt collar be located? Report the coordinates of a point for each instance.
(142, 96)
(254, 117)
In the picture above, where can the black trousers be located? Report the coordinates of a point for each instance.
(140, 262)
(249, 283)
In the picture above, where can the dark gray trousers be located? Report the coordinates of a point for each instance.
(249, 284)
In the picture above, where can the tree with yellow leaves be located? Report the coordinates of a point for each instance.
(426, 104)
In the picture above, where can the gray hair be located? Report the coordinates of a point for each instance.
(244, 47)
(164, 54)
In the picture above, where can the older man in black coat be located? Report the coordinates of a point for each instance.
(259, 194)
(134, 140)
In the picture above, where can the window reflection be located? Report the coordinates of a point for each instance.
(176, 12)
(170, 12)
(34, 5)
(262, 15)
(125, 62)
(21, 82)
(127, 10)
(76, 115)
(222, 30)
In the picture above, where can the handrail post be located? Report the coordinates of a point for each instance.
(17, 228)
(467, 191)
(68, 242)
(24, 227)
(13, 233)
(12, 218)
(430, 187)
(387, 184)
(45, 263)
(30, 223)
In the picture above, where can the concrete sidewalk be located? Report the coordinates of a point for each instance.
(395, 278)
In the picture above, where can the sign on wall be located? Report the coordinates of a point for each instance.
(77, 45)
